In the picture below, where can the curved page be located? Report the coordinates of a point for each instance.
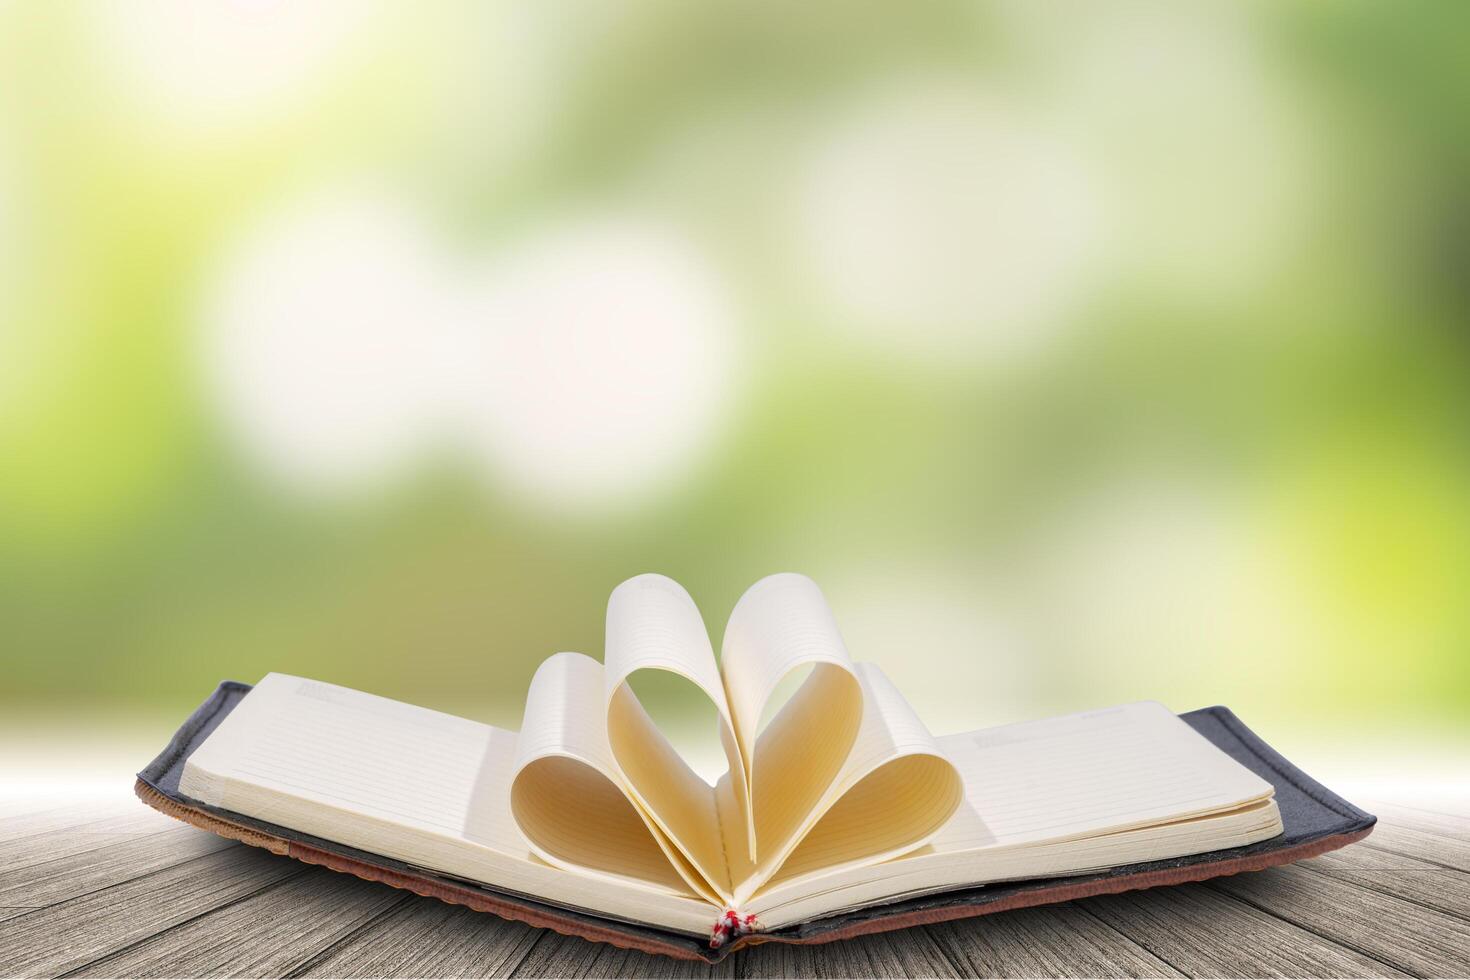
(567, 795)
(782, 625)
(894, 793)
(652, 624)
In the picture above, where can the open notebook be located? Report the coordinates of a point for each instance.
(842, 801)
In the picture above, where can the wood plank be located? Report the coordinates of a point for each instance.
(79, 931)
(1404, 934)
(1361, 857)
(41, 848)
(1447, 825)
(1201, 932)
(12, 807)
(135, 819)
(119, 898)
(124, 814)
(40, 800)
(269, 934)
(1394, 874)
(1055, 941)
(1443, 891)
(58, 817)
(1434, 848)
(1425, 834)
(76, 874)
(555, 955)
(17, 806)
(427, 938)
(1454, 816)
(1458, 806)
(905, 953)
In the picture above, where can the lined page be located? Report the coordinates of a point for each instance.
(564, 713)
(1079, 774)
(652, 624)
(567, 796)
(406, 782)
(369, 755)
(895, 790)
(780, 625)
(1065, 795)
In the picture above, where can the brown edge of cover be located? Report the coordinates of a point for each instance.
(446, 891)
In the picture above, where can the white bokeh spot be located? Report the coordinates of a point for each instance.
(323, 340)
(1195, 137)
(586, 368)
(212, 65)
(938, 218)
(597, 362)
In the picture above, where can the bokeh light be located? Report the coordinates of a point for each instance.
(216, 67)
(1083, 352)
(324, 340)
(598, 362)
(943, 220)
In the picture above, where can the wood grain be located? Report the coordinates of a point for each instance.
(1407, 935)
(1393, 874)
(113, 889)
(268, 934)
(1060, 941)
(425, 938)
(70, 934)
(26, 823)
(38, 849)
(1200, 932)
(47, 882)
(1450, 853)
(555, 955)
(906, 953)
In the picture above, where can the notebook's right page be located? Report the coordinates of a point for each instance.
(1096, 772)
(1060, 796)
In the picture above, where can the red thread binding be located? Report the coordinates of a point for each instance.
(731, 926)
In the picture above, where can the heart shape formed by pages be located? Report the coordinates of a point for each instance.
(844, 774)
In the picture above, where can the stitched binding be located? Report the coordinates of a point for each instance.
(731, 926)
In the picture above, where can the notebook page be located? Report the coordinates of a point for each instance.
(413, 784)
(567, 796)
(330, 757)
(780, 625)
(652, 624)
(1055, 797)
(375, 756)
(1120, 767)
(928, 871)
(896, 790)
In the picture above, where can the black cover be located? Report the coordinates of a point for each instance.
(1315, 820)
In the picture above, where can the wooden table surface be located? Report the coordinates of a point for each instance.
(111, 888)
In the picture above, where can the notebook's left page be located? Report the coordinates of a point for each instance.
(420, 786)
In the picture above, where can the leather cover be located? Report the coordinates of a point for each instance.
(1315, 821)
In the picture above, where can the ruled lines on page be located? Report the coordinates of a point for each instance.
(380, 757)
(1121, 767)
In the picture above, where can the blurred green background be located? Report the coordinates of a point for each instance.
(1082, 352)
